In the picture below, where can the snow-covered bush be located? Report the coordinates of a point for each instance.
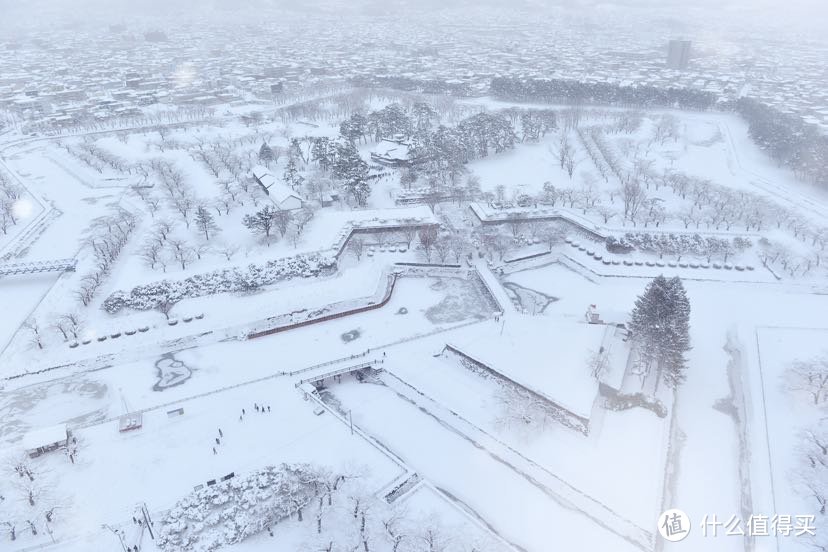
(618, 245)
(154, 295)
(678, 244)
(232, 510)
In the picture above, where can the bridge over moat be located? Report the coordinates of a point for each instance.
(36, 267)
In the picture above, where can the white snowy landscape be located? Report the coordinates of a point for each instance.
(350, 293)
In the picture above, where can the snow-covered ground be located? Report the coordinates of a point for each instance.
(481, 467)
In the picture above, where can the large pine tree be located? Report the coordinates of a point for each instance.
(266, 154)
(660, 323)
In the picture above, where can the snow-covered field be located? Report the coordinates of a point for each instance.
(357, 381)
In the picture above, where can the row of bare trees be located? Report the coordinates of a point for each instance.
(84, 124)
(29, 501)
(96, 157)
(807, 382)
(106, 238)
(10, 194)
(68, 325)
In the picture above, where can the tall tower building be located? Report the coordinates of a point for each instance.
(678, 54)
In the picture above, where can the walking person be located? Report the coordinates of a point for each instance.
(220, 433)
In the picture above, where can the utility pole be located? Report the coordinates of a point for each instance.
(119, 534)
(147, 519)
(351, 421)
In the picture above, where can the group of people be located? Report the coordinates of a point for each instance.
(218, 440)
(261, 408)
(258, 407)
(139, 522)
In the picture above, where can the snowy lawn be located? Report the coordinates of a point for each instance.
(634, 439)
(518, 510)
(168, 456)
(788, 415)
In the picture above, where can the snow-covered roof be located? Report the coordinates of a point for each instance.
(391, 150)
(281, 193)
(277, 191)
(259, 171)
(44, 437)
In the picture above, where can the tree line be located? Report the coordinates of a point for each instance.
(571, 91)
(789, 140)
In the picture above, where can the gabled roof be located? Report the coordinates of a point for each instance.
(277, 191)
(281, 193)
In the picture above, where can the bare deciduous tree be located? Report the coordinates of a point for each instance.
(809, 377)
(35, 336)
(356, 245)
(182, 253)
(427, 237)
(598, 363)
(151, 252)
(812, 474)
(634, 197)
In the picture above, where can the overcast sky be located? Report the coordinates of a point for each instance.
(810, 13)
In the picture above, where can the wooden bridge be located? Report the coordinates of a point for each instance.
(35, 267)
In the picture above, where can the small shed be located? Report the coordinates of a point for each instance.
(130, 421)
(593, 316)
(45, 439)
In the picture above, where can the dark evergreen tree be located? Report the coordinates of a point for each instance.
(390, 121)
(204, 222)
(295, 150)
(660, 323)
(323, 152)
(424, 115)
(266, 154)
(352, 170)
(262, 221)
(355, 128)
(291, 175)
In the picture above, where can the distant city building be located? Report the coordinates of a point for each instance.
(678, 54)
(155, 36)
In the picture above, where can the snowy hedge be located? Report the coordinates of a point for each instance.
(156, 294)
(232, 510)
(676, 244)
